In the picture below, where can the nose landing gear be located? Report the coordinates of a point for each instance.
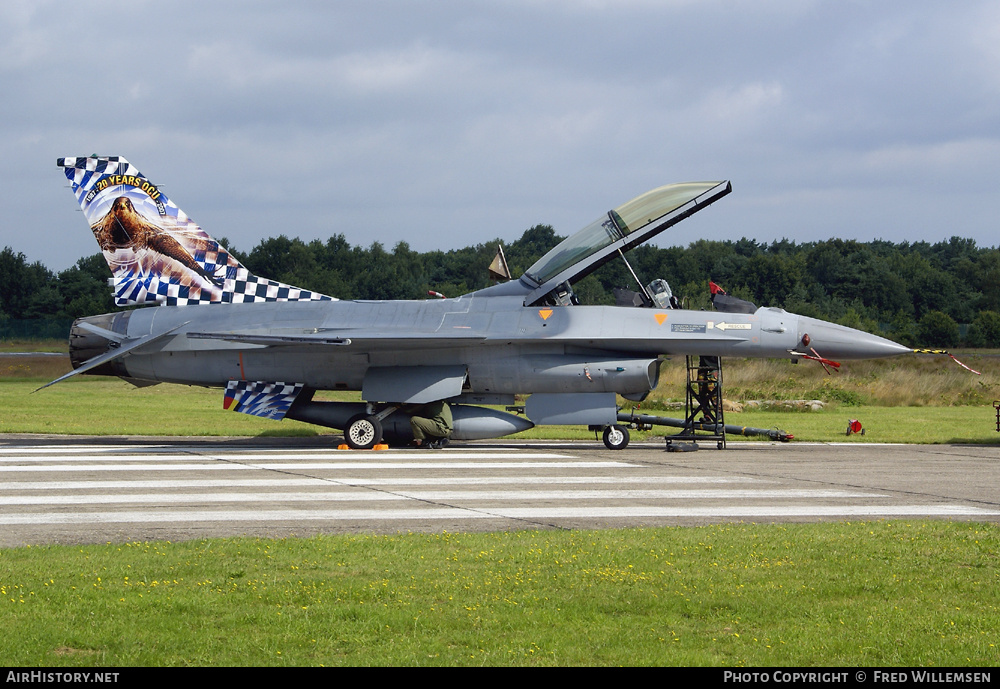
(616, 437)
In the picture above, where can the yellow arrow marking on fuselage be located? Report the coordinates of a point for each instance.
(545, 313)
(660, 317)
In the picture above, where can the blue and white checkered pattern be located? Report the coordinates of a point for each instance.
(83, 173)
(259, 398)
(142, 276)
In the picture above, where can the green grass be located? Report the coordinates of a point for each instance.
(25, 345)
(863, 593)
(919, 380)
(882, 424)
(107, 406)
(909, 399)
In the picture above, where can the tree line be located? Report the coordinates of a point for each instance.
(919, 294)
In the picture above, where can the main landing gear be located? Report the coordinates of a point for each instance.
(363, 432)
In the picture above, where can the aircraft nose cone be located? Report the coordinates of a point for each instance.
(834, 341)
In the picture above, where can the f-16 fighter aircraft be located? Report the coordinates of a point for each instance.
(271, 346)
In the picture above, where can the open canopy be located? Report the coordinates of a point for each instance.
(620, 229)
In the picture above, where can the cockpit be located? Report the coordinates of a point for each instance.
(611, 235)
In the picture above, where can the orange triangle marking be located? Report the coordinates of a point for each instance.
(660, 317)
(545, 313)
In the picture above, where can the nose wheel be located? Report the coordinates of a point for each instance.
(616, 437)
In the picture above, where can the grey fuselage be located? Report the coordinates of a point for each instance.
(506, 347)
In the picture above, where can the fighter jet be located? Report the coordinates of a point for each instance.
(271, 347)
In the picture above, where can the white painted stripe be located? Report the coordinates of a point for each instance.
(758, 511)
(359, 481)
(636, 494)
(94, 449)
(215, 465)
(250, 457)
(485, 464)
(55, 468)
(108, 458)
(363, 494)
(526, 513)
(358, 495)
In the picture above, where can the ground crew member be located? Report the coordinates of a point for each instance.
(431, 424)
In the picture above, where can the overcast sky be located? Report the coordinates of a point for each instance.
(452, 123)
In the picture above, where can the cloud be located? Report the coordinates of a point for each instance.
(452, 123)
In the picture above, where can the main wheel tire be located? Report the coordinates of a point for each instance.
(616, 437)
(363, 432)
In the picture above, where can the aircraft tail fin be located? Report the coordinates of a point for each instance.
(155, 251)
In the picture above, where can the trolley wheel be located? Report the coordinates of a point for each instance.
(363, 432)
(616, 437)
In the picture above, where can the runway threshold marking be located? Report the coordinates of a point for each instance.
(377, 498)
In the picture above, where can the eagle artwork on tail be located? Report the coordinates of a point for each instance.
(125, 228)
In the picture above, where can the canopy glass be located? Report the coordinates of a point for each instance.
(614, 225)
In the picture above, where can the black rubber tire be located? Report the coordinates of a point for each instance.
(363, 432)
(616, 437)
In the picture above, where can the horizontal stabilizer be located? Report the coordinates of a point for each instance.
(113, 353)
(108, 335)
